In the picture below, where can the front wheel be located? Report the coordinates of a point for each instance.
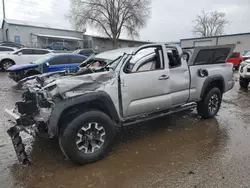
(209, 106)
(244, 82)
(88, 138)
(6, 64)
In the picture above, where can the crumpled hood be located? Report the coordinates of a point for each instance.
(20, 67)
(70, 86)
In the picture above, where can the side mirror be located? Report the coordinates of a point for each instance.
(20, 53)
(46, 64)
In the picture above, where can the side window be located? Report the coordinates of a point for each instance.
(27, 52)
(212, 56)
(174, 58)
(59, 60)
(77, 59)
(5, 49)
(147, 59)
(40, 52)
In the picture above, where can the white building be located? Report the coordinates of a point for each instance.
(33, 34)
(242, 41)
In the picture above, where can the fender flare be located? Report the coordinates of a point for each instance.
(209, 80)
(62, 106)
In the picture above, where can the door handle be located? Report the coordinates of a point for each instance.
(163, 77)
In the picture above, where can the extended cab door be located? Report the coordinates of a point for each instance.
(179, 75)
(209, 63)
(145, 82)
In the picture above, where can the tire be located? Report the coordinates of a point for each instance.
(244, 82)
(6, 64)
(75, 149)
(209, 106)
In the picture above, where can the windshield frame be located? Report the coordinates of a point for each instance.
(43, 59)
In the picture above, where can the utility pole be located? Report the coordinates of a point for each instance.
(3, 9)
(3, 19)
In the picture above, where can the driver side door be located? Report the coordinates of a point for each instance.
(145, 82)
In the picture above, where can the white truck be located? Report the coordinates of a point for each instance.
(84, 110)
(244, 71)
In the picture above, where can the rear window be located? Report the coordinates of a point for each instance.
(212, 56)
(235, 55)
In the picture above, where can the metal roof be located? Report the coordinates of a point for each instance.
(36, 24)
(120, 39)
(58, 37)
(229, 35)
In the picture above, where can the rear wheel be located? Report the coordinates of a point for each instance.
(209, 106)
(88, 138)
(6, 64)
(244, 82)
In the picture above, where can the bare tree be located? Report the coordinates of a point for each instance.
(210, 24)
(111, 16)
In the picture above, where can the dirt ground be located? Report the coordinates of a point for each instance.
(181, 150)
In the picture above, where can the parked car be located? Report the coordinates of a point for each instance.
(84, 111)
(11, 44)
(91, 64)
(236, 59)
(86, 52)
(48, 63)
(21, 56)
(6, 49)
(59, 46)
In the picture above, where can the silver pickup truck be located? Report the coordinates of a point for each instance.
(84, 110)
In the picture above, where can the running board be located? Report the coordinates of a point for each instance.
(148, 117)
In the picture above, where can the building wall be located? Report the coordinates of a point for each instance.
(5, 28)
(104, 44)
(242, 42)
(24, 32)
(197, 42)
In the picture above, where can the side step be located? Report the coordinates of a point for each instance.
(148, 117)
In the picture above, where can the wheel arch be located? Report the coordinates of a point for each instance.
(32, 72)
(7, 59)
(213, 81)
(67, 110)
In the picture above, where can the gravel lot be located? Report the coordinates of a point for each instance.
(181, 150)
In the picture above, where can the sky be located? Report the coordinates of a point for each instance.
(171, 20)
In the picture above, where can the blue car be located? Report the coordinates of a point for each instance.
(48, 63)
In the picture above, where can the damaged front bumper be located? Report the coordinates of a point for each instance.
(27, 117)
(14, 133)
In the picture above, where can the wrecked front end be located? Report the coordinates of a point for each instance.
(30, 116)
(41, 107)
